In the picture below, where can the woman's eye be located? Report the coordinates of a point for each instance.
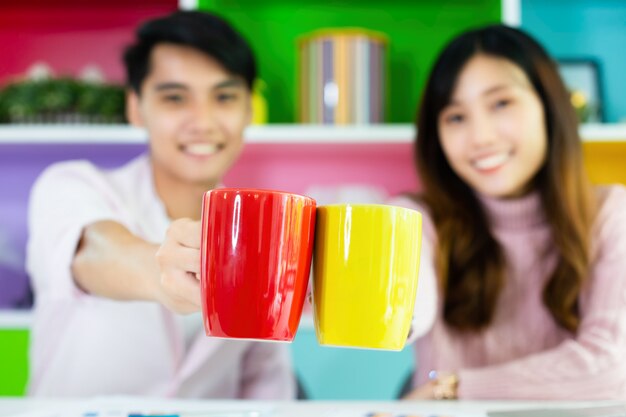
(454, 118)
(502, 103)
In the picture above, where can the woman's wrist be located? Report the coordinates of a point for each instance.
(445, 385)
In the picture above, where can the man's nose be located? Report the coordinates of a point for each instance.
(203, 118)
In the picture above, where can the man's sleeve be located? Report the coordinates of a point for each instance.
(267, 373)
(65, 198)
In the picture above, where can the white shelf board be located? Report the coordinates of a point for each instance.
(270, 134)
(275, 133)
(294, 133)
(18, 319)
(15, 319)
(71, 134)
(601, 132)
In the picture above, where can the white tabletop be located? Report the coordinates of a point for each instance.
(122, 406)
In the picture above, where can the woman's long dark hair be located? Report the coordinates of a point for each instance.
(470, 262)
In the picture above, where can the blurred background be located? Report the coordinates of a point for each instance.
(62, 97)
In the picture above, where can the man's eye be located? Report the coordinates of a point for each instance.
(173, 98)
(226, 97)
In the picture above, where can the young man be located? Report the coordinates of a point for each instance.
(114, 255)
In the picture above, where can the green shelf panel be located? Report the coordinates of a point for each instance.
(417, 31)
(13, 362)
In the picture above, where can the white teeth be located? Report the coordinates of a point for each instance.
(200, 149)
(492, 161)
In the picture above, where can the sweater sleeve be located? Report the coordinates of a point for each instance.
(589, 366)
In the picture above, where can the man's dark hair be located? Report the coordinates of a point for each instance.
(203, 31)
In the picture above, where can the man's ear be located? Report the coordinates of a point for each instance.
(133, 114)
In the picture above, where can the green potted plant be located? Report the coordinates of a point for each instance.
(61, 100)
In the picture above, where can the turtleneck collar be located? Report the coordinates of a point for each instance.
(516, 213)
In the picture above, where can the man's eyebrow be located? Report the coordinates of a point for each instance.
(231, 82)
(170, 86)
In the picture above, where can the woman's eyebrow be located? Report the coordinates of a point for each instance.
(496, 88)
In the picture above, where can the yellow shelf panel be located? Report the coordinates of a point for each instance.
(606, 161)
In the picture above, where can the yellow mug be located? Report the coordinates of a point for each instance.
(365, 269)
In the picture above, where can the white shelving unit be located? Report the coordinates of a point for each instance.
(603, 132)
(15, 319)
(22, 320)
(512, 12)
(270, 134)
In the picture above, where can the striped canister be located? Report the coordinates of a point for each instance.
(342, 76)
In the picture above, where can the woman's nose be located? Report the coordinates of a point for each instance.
(482, 130)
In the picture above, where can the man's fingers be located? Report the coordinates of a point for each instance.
(174, 256)
(187, 232)
(179, 261)
(189, 260)
(182, 286)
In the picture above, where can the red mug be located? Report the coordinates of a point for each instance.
(256, 256)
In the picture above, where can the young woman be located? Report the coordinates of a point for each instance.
(529, 259)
